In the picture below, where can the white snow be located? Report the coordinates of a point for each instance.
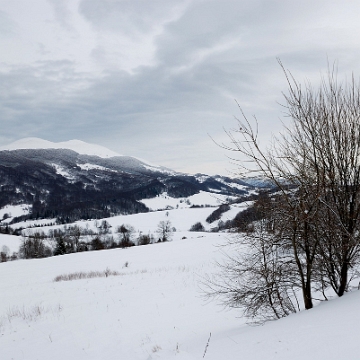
(63, 172)
(202, 198)
(78, 146)
(202, 178)
(34, 223)
(234, 210)
(232, 184)
(329, 331)
(154, 310)
(153, 167)
(89, 166)
(181, 220)
(15, 210)
(12, 242)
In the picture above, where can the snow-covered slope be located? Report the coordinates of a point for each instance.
(164, 201)
(10, 242)
(153, 310)
(78, 146)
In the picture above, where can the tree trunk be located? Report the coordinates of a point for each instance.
(343, 279)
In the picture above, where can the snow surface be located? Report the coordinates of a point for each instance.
(153, 167)
(10, 241)
(181, 219)
(63, 172)
(78, 146)
(163, 200)
(15, 210)
(232, 184)
(202, 178)
(154, 310)
(234, 210)
(89, 166)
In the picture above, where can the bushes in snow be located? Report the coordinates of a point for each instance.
(216, 214)
(126, 235)
(197, 227)
(71, 239)
(34, 246)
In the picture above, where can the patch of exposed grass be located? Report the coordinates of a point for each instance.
(87, 275)
(26, 313)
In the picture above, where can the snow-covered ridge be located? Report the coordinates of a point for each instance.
(78, 146)
(81, 147)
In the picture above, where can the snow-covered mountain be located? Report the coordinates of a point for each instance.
(78, 146)
(76, 180)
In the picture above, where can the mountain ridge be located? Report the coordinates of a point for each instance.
(78, 146)
(63, 184)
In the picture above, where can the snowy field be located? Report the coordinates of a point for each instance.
(181, 219)
(12, 242)
(153, 309)
(163, 201)
(11, 211)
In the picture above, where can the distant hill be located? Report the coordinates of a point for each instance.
(86, 181)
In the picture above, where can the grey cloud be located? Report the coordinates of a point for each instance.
(7, 26)
(62, 13)
(129, 17)
(210, 54)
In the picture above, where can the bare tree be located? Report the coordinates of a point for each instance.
(315, 165)
(323, 146)
(126, 235)
(33, 246)
(165, 230)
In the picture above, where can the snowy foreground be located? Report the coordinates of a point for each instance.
(154, 310)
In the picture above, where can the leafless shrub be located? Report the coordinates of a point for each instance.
(256, 275)
(26, 313)
(144, 239)
(156, 348)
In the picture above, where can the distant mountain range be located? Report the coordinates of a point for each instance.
(76, 180)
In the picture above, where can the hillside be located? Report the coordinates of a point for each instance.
(153, 310)
(86, 181)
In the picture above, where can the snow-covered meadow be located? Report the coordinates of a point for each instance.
(153, 308)
(179, 211)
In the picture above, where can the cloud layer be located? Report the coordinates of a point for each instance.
(153, 78)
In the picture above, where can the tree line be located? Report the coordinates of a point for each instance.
(73, 238)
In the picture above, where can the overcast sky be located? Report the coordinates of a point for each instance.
(155, 78)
